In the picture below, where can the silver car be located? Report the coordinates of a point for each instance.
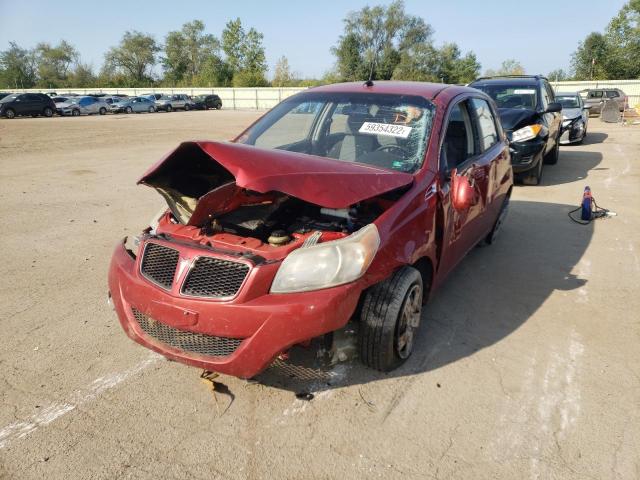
(575, 117)
(131, 105)
(178, 101)
(76, 106)
(595, 98)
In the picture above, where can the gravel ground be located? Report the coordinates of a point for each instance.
(526, 365)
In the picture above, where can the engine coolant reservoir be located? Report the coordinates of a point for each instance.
(278, 238)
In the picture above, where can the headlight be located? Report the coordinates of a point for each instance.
(328, 264)
(566, 123)
(526, 133)
(131, 244)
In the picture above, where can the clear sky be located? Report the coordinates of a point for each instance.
(540, 34)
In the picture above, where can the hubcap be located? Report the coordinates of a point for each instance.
(409, 321)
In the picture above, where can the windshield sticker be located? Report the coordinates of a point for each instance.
(386, 129)
(524, 91)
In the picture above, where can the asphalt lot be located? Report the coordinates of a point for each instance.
(526, 366)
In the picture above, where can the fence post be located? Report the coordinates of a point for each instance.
(256, 99)
(233, 92)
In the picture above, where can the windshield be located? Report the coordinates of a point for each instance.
(510, 96)
(10, 98)
(389, 131)
(569, 101)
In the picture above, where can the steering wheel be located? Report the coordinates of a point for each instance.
(390, 148)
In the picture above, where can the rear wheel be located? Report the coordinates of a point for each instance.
(219, 106)
(9, 113)
(533, 176)
(187, 107)
(102, 111)
(48, 112)
(390, 319)
(151, 109)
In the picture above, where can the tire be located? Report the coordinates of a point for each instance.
(187, 107)
(9, 113)
(48, 112)
(75, 113)
(551, 158)
(169, 108)
(389, 320)
(128, 110)
(504, 210)
(102, 111)
(534, 177)
(152, 110)
(218, 107)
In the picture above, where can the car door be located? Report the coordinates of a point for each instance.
(30, 104)
(461, 154)
(553, 120)
(594, 100)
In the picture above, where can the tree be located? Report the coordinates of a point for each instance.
(378, 39)
(134, 57)
(589, 60)
(233, 37)
(54, 63)
(558, 75)
(508, 67)
(282, 76)
(244, 54)
(17, 67)
(189, 53)
(82, 76)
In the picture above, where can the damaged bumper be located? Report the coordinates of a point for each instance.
(526, 155)
(239, 335)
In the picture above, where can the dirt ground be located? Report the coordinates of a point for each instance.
(526, 365)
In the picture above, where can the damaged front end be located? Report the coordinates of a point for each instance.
(259, 250)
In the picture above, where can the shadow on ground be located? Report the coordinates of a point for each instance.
(490, 295)
(573, 165)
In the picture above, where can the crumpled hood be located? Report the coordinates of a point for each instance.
(318, 180)
(515, 118)
(571, 113)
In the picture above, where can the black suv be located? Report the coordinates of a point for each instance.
(205, 102)
(531, 119)
(33, 104)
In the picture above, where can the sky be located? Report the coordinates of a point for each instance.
(541, 35)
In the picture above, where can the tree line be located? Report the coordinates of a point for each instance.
(380, 42)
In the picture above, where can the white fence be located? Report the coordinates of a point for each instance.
(234, 98)
(630, 87)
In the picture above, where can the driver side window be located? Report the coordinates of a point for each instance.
(458, 145)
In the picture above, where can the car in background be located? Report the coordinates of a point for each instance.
(205, 102)
(21, 104)
(575, 117)
(133, 105)
(531, 118)
(152, 96)
(594, 98)
(76, 106)
(356, 211)
(178, 101)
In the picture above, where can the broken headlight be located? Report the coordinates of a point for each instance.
(328, 264)
(526, 133)
(131, 245)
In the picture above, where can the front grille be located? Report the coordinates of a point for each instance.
(159, 264)
(199, 343)
(215, 278)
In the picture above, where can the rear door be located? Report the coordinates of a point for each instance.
(553, 120)
(30, 104)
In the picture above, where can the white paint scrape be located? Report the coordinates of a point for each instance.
(52, 412)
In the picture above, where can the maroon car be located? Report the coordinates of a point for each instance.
(344, 202)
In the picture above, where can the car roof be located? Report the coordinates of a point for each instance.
(506, 81)
(564, 94)
(421, 89)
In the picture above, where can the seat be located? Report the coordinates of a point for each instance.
(455, 142)
(354, 144)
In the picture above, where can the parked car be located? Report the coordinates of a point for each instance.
(152, 96)
(531, 118)
(76, 106)
(301, 224)
(34, 104)
(133, 105)
(575, 117)
(595, 98)
(205, 102)
(169, 103)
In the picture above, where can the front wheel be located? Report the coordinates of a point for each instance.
(533, 176)
(128, 110)
(102, 111)
(152, 110)
(169, 108)
(552, 157)
(218, 107)
(75, 113)
(187, 107)
(390, 319)
(48, 112)
(10, 114)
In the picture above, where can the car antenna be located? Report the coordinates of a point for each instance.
(369, 82)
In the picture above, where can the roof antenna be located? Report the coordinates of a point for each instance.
(369, 82)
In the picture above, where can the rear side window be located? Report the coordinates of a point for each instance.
(595, 94)
(458, 145)
(487, 133)
(612, 94)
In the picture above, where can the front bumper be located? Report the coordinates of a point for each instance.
(526, 155)
(267, 324)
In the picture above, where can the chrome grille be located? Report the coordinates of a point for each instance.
(214, 278)
(199, 343)
(159, 264)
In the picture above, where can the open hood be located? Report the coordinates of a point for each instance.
(196, 168)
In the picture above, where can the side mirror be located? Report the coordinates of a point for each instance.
(554, 107)
(463, 194)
